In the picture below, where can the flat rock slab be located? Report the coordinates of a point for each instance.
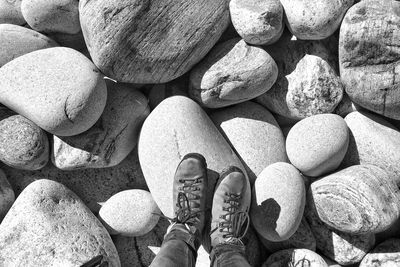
(48, 225)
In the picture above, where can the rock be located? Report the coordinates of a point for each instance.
(7, 196)
(254, 134)
(331, 263)
(159, 92)
(23, 145)
(178, 126)
(369, 56)
(360, 199)
(307, 82)
(278, 200)
(130, 213)
(302, 238)
(370, 138)
(314, 20)
(258, 22)
(295, 257)
(385, 254)
(113, 136)
(324, 138)
(48, 225)
(17, 40)
(231, 73)
(93, 186)
(345, 249)
(151, 41)
(60, 80)
(392, 232)
(52, 16)
(10, 12)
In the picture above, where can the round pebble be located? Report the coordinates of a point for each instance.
(130, 213)
(324, 138)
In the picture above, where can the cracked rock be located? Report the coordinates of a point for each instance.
(369, 56)
(113, 136)
(57, 88)
(231, 73)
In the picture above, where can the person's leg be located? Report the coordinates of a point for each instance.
(182, 239)
(230, 219)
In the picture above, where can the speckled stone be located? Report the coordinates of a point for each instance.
(130, 213)
(360, 199)
(52, 16)
(16, 41)
(368, 56)
(307, 82)
(258, 22)
(345, 249)
(278, 200)
(233, 72)
(295, 257)
(23, 145)
(176, 127)
(58, 88)
(10, 12)
(385, 254)
(375, 141)
(7, 195)
(48, 225)
(113, 136)
(324, 138)
(254, 134)
(310, 20)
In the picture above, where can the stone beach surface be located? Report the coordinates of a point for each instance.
(100, 101)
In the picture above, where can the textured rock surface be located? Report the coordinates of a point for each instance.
(385, 254)
(359, 199)
(16, 41)
(295, 257)
(254, 134)
(346, 249)
(324, 138)
(52, 16)
(151, 41)
(309, 20)
(278, 200)
(369, 56)
(178, 126)
(307, 83)
(302, 238)
(130, 213)
(258, 22)
(113, 136)
(231, 73)
(23, 145)
(10, 12)
(58, 89)
(60, 231)
(7, 195)
(373, 141)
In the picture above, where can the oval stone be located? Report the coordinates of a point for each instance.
(324, 138)
(369, 56)
(10, 12)
(178, 126)
(7, 195)
(278, 200)
(48, 225)
(16, 41)
(295, 257)
(23, 145)
(151, 41)
(231, 73)
(385, 254)
(258, 22)
(254, 134)
(309, 20)
(359, 199)
(58, 88)
(130, 213)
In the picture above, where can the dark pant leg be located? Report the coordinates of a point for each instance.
(224, 255)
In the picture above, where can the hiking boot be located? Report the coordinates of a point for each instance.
(230, 219)
(189, 192)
